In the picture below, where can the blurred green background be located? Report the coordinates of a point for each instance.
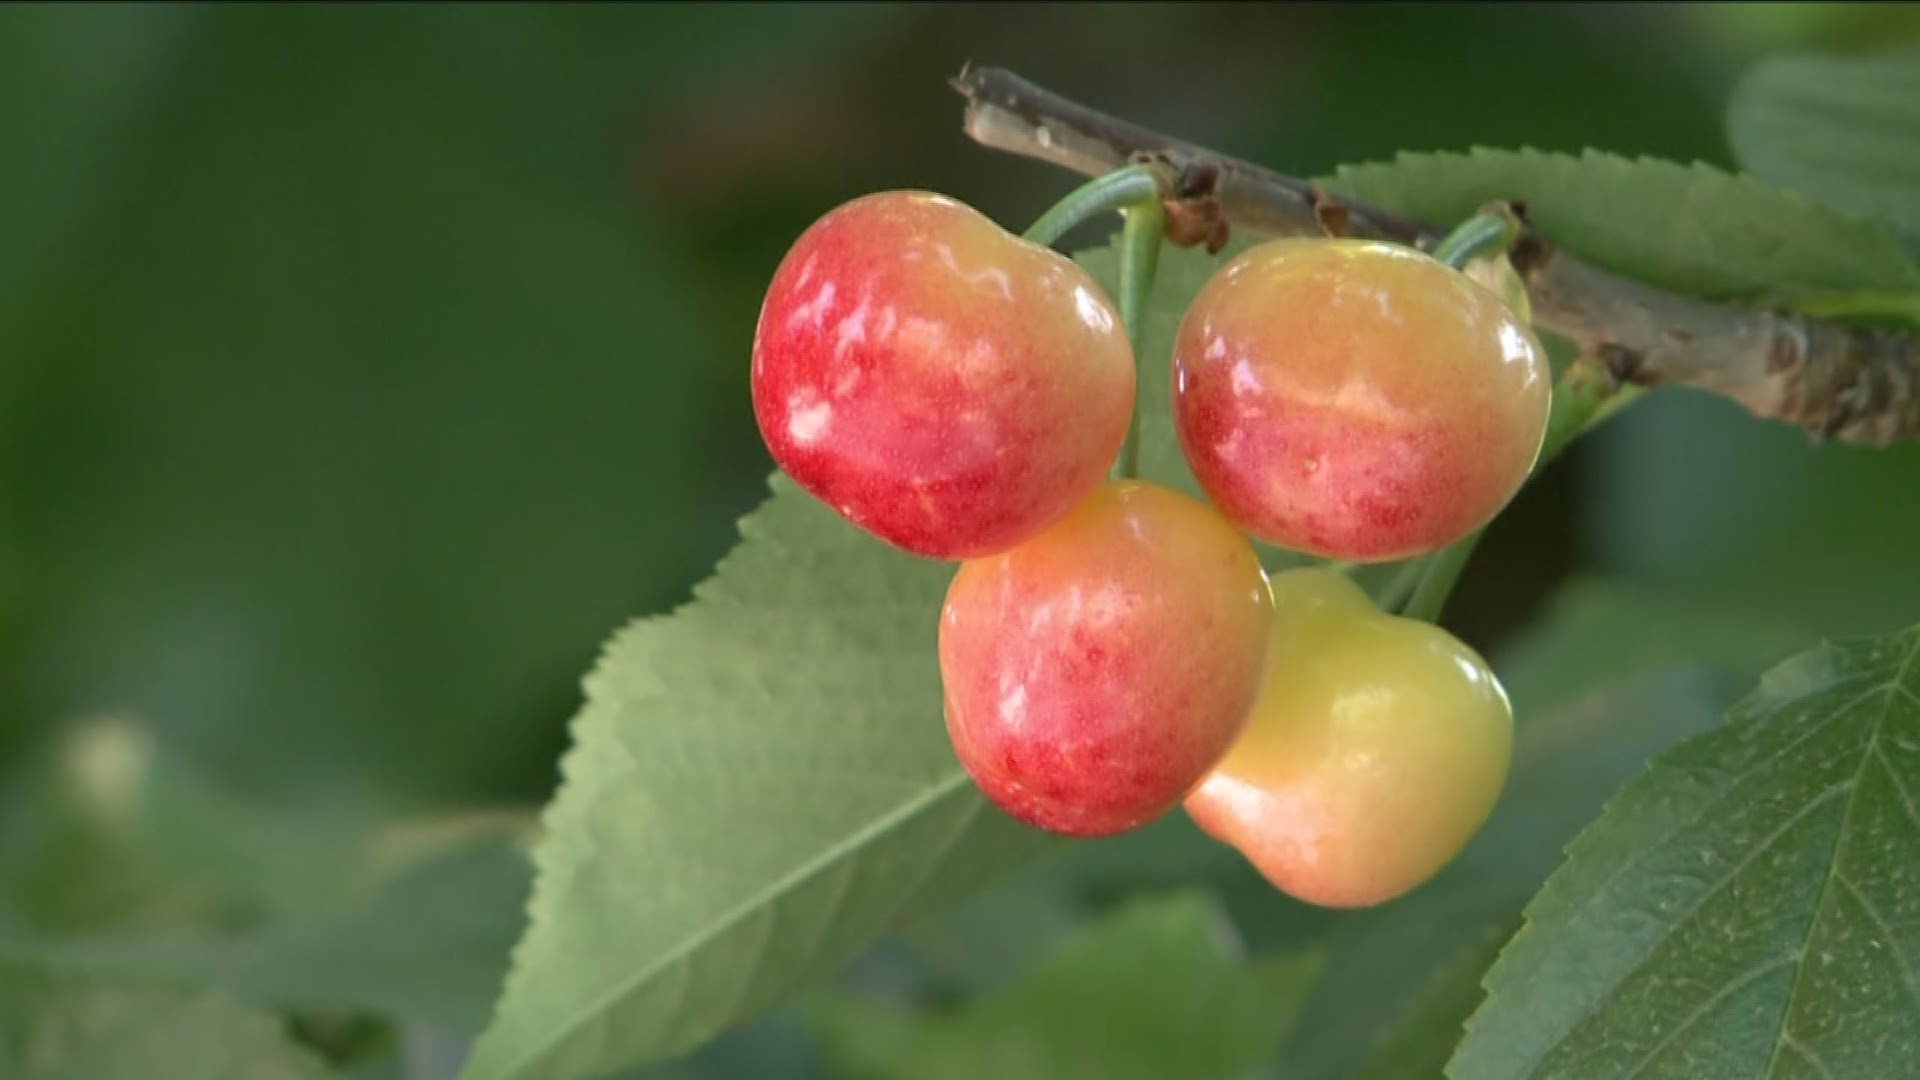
(362, 368)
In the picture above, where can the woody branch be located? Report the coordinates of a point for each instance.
(1836, 380)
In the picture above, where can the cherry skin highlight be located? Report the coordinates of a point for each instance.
(1095, 673)
(1356, 400)
(942, 383)
(1377, 749)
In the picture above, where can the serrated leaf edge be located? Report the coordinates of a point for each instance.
(1611, 159)
(846, 849)
(748, 527)
(1769, 682)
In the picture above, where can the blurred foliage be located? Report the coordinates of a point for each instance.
(1837, 128)
(357, 392)
(362, 369)
(61, 1027)
(136, 867)
(349, 400)
(1159, 988)
(1418, 1042)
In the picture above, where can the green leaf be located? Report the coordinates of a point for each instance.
(591, 991)
(1418, 1042)
(760, 783)
(428, 947)
(1748, 907)
(1844, 130)
(1159, 988)
(56, 1027)
(1567, 762)
(1608, 677)
(1757, 498)
(116, 835)
(1591, 722)
(1883, 308)
(1691, 228)
(124, 862)
(775, 751)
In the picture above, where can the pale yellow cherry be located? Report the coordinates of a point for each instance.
(1376, 750)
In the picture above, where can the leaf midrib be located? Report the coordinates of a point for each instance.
(956, 780)
(1894, 687)
(1892, 684)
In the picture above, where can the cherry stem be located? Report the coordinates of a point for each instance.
(1585, 396)
(1892, 307)
(1140, 241)
(1490, 232)
(1404, 581)
(1118, 190)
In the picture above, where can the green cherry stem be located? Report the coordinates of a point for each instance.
(1135, 193)
(1117, 190)
(1140, 240)
(1491, 231)
(1892, 306)
(1585, 397)
(1404, 581)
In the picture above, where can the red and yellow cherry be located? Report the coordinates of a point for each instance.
(1357, 400)
(1095, 673)
(1377, 749)
(945, 385)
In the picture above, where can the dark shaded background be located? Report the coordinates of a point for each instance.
(362, 368)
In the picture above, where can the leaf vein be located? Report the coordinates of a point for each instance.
(1646, 850)
(1733, 986)
(1807, 1055)
(1899, 785)
(836, 901)
(1833, 859)
(962, 825)
(1886, 931)
(955, 781)
(1653, 946)
(758, 958)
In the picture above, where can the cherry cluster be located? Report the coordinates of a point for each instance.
(1110, 649)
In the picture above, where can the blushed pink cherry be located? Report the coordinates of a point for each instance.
(1095, 673)
(1356, 400)
(942, 383)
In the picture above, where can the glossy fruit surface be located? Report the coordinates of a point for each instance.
(1377, 749)
(942, 383)
(1356, 400)
(1095, 673)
